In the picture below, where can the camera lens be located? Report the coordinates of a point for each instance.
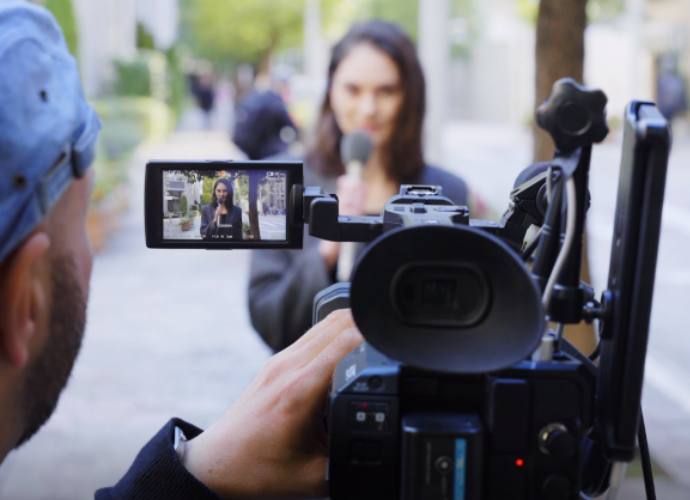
(441, 294)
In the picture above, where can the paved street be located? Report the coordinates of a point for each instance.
(158, 344)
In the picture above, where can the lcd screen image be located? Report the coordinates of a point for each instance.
(224, 205)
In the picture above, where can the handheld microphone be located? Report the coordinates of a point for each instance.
(355, 149)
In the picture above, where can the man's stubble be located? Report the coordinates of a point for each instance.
(49, 372)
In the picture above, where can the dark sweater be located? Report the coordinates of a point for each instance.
(209, 228)
(283, 283)
(158, 473)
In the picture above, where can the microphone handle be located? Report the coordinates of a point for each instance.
(348, 249)
(353, 169)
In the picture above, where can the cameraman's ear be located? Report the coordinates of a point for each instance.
(24, 295)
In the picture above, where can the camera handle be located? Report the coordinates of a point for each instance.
(320, 211)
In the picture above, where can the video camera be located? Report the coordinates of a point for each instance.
(463, 390)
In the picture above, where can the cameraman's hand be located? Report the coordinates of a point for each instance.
(271, 441)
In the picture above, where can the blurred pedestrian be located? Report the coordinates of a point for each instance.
(375, 84)
(204, 92)
(671, 91)
(263, 126)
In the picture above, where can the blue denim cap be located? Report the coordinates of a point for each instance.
(48, 131)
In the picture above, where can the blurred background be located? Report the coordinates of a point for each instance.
(168, 332)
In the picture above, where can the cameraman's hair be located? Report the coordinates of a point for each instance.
(405, 158)
(229, 201)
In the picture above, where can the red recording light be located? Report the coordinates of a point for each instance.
(519, 462)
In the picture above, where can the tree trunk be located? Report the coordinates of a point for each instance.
(560, 52)
(253, 209)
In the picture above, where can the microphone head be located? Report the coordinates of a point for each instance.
(356, 146)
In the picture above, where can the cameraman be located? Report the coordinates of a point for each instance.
(269, 443)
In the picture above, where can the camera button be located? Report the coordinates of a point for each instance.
(443, 464)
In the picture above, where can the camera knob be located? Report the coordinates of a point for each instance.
(574, 115)
(555, 440)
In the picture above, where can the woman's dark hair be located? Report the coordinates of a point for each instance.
(405, 158)
(228, 184)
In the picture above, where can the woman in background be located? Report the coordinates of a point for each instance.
(375, 84)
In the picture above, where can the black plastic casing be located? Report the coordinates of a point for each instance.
(153, 203)
(637, 225)
(368, 459)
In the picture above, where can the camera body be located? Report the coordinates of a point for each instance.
(399, 432)
(410, 426)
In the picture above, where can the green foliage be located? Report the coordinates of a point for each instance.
(63, 11)
(241, 187)
(528, 10)
(144, 38)
(144, 75)
(132, 78)
(604, 10)
(177, 86)
(241, 30)
(184, 205)
(207, 190)
(402, 12)
(153, 73)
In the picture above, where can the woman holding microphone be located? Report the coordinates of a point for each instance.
(375, 85)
